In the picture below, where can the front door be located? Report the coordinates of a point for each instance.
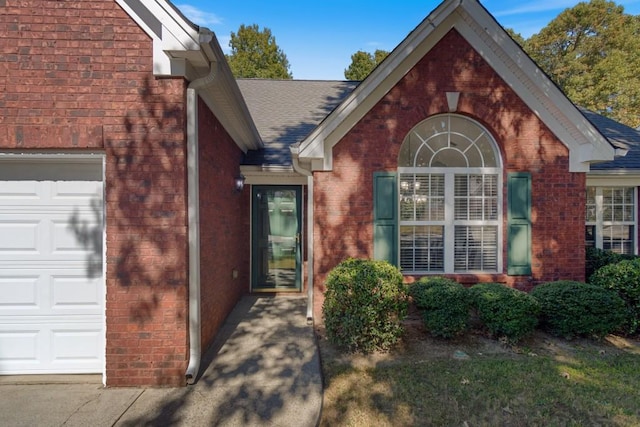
(276, 239)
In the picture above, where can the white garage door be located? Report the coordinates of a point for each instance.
(51, 278)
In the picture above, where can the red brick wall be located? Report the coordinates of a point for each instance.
(224, 225)
(343, 197)
(77, 75)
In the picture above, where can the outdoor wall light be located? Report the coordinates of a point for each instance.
(239, 182)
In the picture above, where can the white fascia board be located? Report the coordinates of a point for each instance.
(182, 50)
(170, 32)
(585, 143)
(319, 144)
(613, 178)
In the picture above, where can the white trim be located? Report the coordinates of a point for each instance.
(542, 96)
(104, 263)
(182, 49)
(176, 35)
(631, 180)
(257, 175)
(585, 143)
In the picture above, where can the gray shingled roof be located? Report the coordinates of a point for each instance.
(621, 136)
(286, 111)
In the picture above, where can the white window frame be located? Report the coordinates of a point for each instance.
(600, 223)
(449, 223)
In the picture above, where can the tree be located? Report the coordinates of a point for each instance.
(592, 51)
(363, 63)
(517, 37)
(255, 54)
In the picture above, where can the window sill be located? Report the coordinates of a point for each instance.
(467, 279)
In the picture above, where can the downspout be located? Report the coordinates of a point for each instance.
(306, 172)
(310, 248)
(193, 209)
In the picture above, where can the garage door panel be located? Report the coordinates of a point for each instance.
(53, 194)
(19, 292)
(54, 236)
(50, 291)
(71, 347)
(51, 266)
(20, 191)
(19, 237)
(77, 293)
(85, 193)
(75, 236)
(20, 345)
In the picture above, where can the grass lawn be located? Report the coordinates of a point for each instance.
(477, 381)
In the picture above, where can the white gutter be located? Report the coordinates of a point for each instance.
(298, 168)
(193, 209)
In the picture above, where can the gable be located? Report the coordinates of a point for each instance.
(182, 49)
(493, 44)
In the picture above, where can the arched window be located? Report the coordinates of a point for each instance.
(450, 191)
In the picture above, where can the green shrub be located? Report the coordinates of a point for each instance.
(571, 309)
(504, 311)
(444, 304)
(624, 278)
(364, 305)
(598, 258)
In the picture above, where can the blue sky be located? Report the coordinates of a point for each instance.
(319, 36)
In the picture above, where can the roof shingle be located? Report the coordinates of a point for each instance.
(286, 111)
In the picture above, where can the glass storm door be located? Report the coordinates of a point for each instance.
(276, 238)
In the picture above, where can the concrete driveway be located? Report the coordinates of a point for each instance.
(263, 370)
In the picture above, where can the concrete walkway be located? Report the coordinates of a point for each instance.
(263, 370)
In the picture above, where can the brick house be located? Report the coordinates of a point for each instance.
(121, 136)
(456, 156)
(126, 239)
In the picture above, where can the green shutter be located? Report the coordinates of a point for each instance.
(385, 213)
(519, 224)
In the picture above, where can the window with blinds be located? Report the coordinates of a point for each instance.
(610, 219)
(450, 198)
(475, 220)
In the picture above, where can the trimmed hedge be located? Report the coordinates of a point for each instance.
(598, 258)
(623, 278)
(364, 305)
(570, 308)
(505, 312)
(444, 304)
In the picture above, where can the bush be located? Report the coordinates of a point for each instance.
(624, 278)
(506, 312)
(571, 309)
(598, 258)
(364, 305)
(444, 304)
